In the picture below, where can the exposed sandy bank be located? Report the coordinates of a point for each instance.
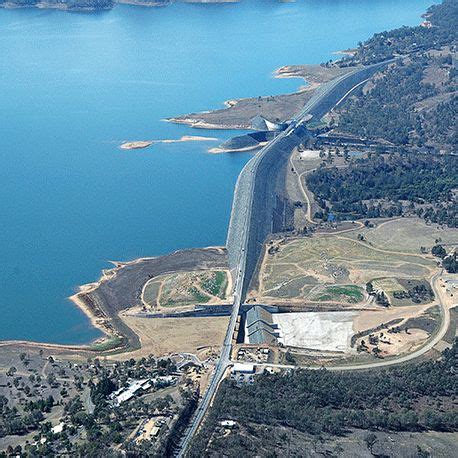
(136, 145)
(219, 150)
(120, 288)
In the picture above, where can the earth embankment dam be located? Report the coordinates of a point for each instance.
(259, 206)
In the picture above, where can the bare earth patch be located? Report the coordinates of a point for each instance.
(161, 336)
(329, 331)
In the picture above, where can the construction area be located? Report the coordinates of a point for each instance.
(358, 292)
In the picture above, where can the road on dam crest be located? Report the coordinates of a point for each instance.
(253, 214)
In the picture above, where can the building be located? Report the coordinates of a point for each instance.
(126, 393)
(240, 368)
(260, 328)
(227, 423)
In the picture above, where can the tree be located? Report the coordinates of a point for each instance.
(438, 251)
(11, 371)
(370, 439)
(421, 453)
(450, 263)
(369, 288)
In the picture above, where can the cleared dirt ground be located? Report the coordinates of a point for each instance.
(161, 336)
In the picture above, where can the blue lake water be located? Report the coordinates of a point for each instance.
(73, 86)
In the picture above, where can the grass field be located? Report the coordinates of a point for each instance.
(336, 268)
(346, 293)
(186, 288)
(408, 235)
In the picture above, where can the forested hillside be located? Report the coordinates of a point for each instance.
(407, 398)
(390, 185)
(443, 19)
(414, 101)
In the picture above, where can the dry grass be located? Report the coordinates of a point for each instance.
(183, 289)
(302, 268)
(161, 336)
(408, 235)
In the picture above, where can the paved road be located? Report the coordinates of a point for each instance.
(251, 216)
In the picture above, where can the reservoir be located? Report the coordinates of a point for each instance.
(73, 87)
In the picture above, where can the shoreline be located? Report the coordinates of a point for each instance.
(106, 316)
(203, 125)
(237, 114)
(219, 150)
(141, 144)
(90, 299)
(95, 313)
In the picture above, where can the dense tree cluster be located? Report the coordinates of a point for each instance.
(439, 123)
(390, 185)
(386, 45)
(406, 398)
(450, 263)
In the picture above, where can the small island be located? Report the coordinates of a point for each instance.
(136, 145)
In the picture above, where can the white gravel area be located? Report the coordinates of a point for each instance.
(330, 331)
